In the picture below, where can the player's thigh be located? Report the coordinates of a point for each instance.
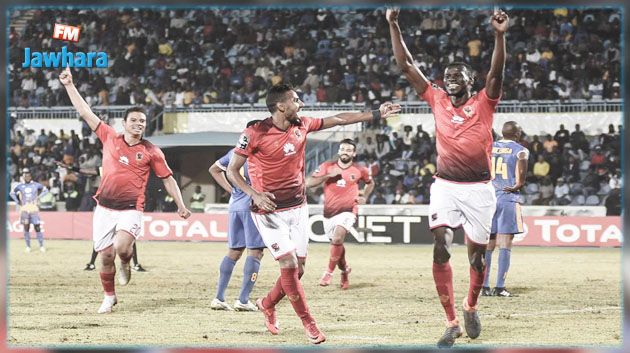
(103, 227)
(274, 231)
(443, 209)
(34, 219)
(253, 240)
(510, 220)
(298, 229)
(478, 204)
(236, 231)
(344, 220)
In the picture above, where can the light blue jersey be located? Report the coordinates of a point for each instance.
(507, 218)
(504, 160)
(28, 193)
(239, 201)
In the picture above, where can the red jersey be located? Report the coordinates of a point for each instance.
(126, 170)
(341, 192)
(276, 159)
(463, 135)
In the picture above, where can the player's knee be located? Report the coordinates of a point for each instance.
(257, 253)
(441, 253)
(477, 262)
(37, 227)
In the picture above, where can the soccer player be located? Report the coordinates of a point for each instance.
(462, 195)
(25, 196)
(127, 160)
(509, 169)
(242, 233)
(274, 149)
(341, 199)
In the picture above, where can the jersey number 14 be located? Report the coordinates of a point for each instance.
(499, 167)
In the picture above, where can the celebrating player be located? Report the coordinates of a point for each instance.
(127, 160)
(341, 199)
(242, 233)
(25, 196)
(462, 195)
(509, 167)
(274, 149)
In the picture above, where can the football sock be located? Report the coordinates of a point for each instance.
(476, 281)
(336, 251)
(295, 292)
(504, 266)
(443, 277)
(486, 281)
(93, 258)
(27, 239)
(40, 238)
(275, 295)
(107, 280)
(225, 273)
(342, 259)
(250, 274)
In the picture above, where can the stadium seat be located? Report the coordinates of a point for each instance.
(592, 200)
(604, 189)
(531, 188)
(578, 200)
(576, 188)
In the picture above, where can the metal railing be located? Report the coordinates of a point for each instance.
(547, 106)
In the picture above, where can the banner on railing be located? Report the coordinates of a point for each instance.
(385, 228)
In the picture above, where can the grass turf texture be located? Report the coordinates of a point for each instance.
(566, 297)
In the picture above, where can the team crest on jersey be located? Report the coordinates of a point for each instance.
(297, 133)
(243, 141)
(468, 110)
(353, 177)
(434, 217)
(289, 149)
(275, 246)
(138, 156)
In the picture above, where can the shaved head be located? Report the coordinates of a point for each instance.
(511, 131)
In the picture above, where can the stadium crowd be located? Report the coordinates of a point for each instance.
(201, 56)
(567, 168)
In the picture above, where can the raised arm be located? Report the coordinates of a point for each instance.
(494, 80)
(173, 189)
(383, 112)
(404, 60)
(262, 200)
(77, 101)
(218, 174)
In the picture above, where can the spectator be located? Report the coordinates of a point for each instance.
(561, 193)
(541, 168)
(562, 136)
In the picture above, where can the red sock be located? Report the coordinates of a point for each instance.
(107, 280)
(443, 277)
(476, 281)
(274, 296)
(336, 252)
(295, 292)
(342, 259)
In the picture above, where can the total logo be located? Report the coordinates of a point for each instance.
(124, 160)
(289, 149)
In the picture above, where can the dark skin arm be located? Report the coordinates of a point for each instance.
(404, 60)
(494, 79)
(521, 173)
